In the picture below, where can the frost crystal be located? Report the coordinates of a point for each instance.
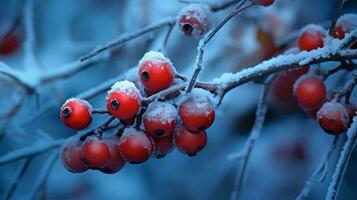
(73, 99)
(125, 87)
(161, 111)
(348, 22)
(155, 57)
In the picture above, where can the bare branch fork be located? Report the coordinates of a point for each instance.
(254, 135)
(203, 42)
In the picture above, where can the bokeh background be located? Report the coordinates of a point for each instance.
(291, 145)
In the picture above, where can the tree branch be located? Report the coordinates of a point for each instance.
(253, 137)
(342, 162)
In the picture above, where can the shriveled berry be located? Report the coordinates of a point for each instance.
(194, 19)
(116, 162)
(334, 118)
(163, 145)
(71, 157)
(95, 153)
(190, 143)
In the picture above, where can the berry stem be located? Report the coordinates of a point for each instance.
(99, 111)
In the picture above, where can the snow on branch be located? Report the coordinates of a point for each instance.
(342, 162)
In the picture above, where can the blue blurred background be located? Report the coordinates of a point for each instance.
(291, 145)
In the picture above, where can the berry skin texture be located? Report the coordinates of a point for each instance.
(194, 20)
(311, 37)
(263, 2)
(190, 143)
(123, 100)
(163, 145)
(160, 119)
(76, 114)
(135, 146)
(9, 44)
(310, 92)
(334, 118)
(196, 113)
(95, 153)
(116, 162)
(71, 157)
(156, 72)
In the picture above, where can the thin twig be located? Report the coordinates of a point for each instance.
(127, 37)
(253, 137)
(336, 15)
(204, 41)
(23, 168)
(342, 162)
(320, 172)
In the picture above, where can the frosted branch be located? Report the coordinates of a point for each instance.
(253, 137)
(320, 172)
(342, 162)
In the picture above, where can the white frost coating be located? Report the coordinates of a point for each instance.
(140, 138)
(330, 109)
(313, 29)
(126, 87)
(156, 58)
(200, 102)
(348, 22)
(73, 99)
(302, 58)
(197, 12)
(161, 111)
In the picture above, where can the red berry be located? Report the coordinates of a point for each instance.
(9, 44)
(76, 113)
(156, 72)
(194, 19)
(123, 100)
(345, 24)
(135, 146)
(283, 84)
(310, 92)
(163, 145)
(311, 37)
(71, 157)
(263, 2)
(334, 118)
(160, 119)
(116, 162)
(196, 113)
(190, 143)
(95, 153)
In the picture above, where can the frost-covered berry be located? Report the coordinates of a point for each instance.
(71, 157)
(9, 44)
(163, 145)
(76, 113)
(194, 19)
(123, 100)
(345, 24)
(310, 92)
(135, 146)
(263, 2)
(311, 37)
(116, 162)
(95, 153)
(156, 72)
(160, 119)
(190, 143)
(334, 118)
(196, 113)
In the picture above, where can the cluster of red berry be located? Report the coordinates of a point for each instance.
(310, 90)
(161, 129)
